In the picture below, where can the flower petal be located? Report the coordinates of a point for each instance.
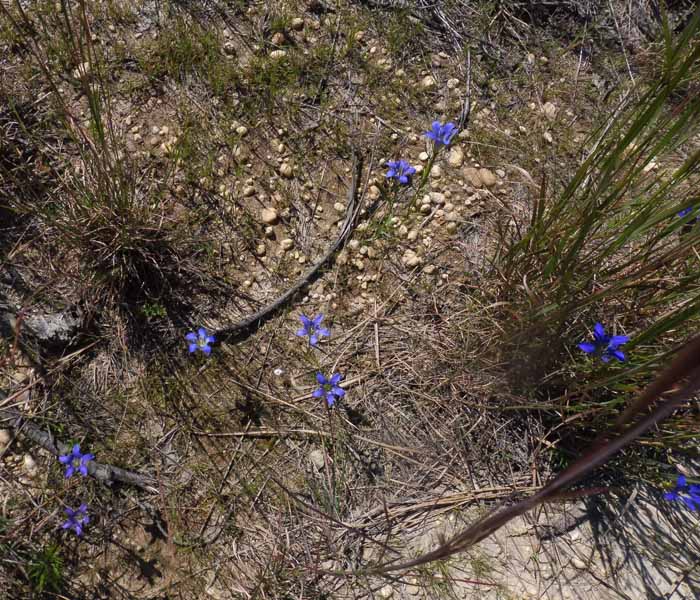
(321, 378)
(330, 398)
(69, 471)
(682, 481)
(322, 331)
(191, 337)
(202, 332)
(302, 332)
(338, 391)
(599, 331)
(619, 355)
(192, 347)
(587, 347)
(306, 322)
(65, 459)
(206, 350)
(618, 340)
(83, 470)
(313, 340)
(317, 393)
(671, 496)
(335, 378)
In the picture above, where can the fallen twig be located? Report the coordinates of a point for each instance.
(45, 439)
(256, 319)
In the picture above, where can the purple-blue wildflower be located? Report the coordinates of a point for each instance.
(200, 341)
(312, 328)
(685, 212)
(688, 494)
(329, 388)
(605, 345)
(400, 170)
(441, 134)
(76, 519)
(76, 460)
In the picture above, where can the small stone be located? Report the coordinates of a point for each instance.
(386, 592)
(317, 459)
(437, 198)
(297, 24)
(248, 191)
(269, 215)
(286, 170)
(339, 207)
(487, 177)
(452, 83)
(410, 258)
(412, 235)
(436, 171)
(372, 252)
(260, 250)
(270, 232)
(577, 563)
(456, 157)
(403, 231)
(549, 110)
(165, 130)
(428, 82)
(5, 438)
(30, 464)
(287, 244)
(359, 265)
(471, 174)
(501, 173)
(425, 209)
(278, 39)
(423, 156)
(241, 130)
(374, 192)
(548, 137)
(359, 36)
(451, 227)
(278, 54)
(429, 269)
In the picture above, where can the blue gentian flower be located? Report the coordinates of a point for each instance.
(200, 341)
(685, 212)
(76, 519)
(312, 328)
(76, 460)
(400, 170)
(605, 345)
(688, 494)
(441, 134)
(329, 388)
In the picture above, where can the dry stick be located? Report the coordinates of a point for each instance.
(685, 365)
(45, 439)
(266, 312)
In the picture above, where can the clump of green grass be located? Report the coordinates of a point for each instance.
(611, 246)
(45, 570)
